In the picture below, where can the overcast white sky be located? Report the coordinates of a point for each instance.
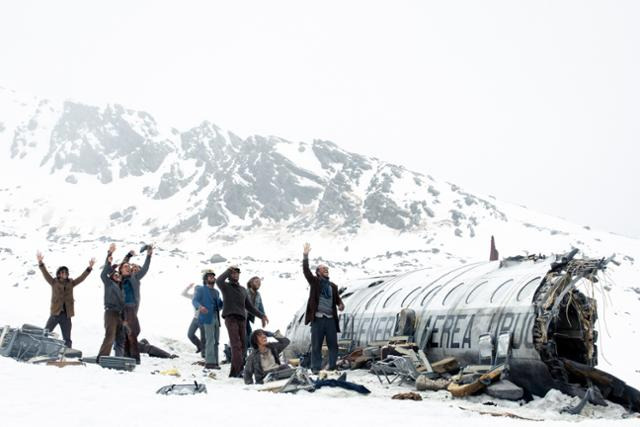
(534, 102)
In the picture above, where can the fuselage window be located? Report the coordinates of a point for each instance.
(500, 288)
(389, 298)
(408, 295)
(376, 283)
(431, 292)
(528, 287)
(377, 294)
(458, 286)
(473, 291)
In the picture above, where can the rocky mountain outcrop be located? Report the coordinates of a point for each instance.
(220, 179)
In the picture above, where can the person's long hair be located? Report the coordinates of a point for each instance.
(251, 281)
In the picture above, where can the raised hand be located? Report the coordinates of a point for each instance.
(306, 249)
(150, 250)
(112, 248)
(91, 262)
(40, 257)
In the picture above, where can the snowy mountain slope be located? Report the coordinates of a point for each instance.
(207, 184)
(76, 178)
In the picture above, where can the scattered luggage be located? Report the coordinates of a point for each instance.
(29, 342)
(182, 389)
(113, 362)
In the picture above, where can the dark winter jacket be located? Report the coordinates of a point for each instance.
(236, 298)
(210, 299)
(135, 278)
(314, 295)
(113, 295)
(253, 367)
(62, 291)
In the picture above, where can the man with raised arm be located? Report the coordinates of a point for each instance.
(131, 286)
(113, 302)
(322, 312)
(236, 305)
(62, 297)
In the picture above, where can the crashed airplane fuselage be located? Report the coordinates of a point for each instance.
(539, 304)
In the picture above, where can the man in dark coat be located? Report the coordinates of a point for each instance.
(62, 309)
(113, 303)
(322, 312)
(236, 305)
(265, 356)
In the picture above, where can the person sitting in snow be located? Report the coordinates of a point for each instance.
(265, 356)
(62, 300)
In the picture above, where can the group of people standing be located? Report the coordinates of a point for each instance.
(238, 309)
(236, 305)
(121, 303)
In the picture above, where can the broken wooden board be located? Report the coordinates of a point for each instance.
(425, 383)
(447, 365)
(462, 390)
(63, 363)
(499, 414)
(424, 360)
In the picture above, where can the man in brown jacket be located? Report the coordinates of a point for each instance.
(322, 312)
(62, 297)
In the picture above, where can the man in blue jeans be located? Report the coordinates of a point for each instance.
(207, 301)
(322, 312)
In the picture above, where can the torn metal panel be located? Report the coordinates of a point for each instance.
(29, 342)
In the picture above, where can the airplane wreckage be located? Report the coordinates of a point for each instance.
(522, 319)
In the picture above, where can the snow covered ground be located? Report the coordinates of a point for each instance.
(89, 395)
(70, 222)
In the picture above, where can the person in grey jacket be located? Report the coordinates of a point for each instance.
(236, 305)
(113, 303)
(265, 356)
